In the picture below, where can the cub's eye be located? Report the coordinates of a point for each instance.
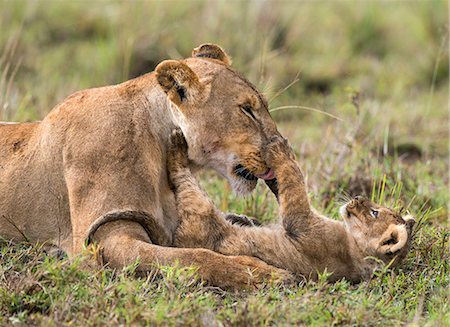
(247, 109)
(374, 213)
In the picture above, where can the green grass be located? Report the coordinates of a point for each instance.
(38, 289)
(380, 67)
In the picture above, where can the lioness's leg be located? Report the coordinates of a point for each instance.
(295, 210)
(124, 242)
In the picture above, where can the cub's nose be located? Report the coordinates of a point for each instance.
(356, 201)
(352, 204)
(359, 199)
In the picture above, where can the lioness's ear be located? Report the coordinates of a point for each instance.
(179, 82)
(393, 239)
(209, 50)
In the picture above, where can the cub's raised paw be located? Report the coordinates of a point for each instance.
(177, 140)
(177, 152)
(277, 151)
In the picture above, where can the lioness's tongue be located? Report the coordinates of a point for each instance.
(268, 175)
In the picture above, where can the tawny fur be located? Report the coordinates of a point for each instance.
(95, 167)
(303, 242)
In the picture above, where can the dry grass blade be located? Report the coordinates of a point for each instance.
(284, 89)
(307, 109)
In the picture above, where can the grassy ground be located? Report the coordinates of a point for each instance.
(378, 70)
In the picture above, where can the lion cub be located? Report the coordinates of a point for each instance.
(303, 242)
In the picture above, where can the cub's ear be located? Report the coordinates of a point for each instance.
(179, 82)
(409, 221)
(209, 50)
(393, 239)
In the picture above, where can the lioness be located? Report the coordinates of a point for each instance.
(95, 168)
(304, 242)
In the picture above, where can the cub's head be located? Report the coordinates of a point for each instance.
(224, 118)
(379, 231)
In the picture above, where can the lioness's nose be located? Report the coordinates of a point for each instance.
(270, 130)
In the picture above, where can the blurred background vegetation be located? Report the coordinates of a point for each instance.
(383, 50)
(360, 88)
(381, 68)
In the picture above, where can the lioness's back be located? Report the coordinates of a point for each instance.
(14, 138)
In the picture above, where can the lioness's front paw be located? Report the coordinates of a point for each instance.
(260, 273)
(277, 151)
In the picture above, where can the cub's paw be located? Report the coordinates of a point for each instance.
(242, 220)
(177, 152)
(277, 151)
(177, 157)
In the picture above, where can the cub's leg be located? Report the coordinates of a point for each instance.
(201, 224)
(295, 210)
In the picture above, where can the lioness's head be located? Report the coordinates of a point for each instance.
(224, 118)
(379, 231)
